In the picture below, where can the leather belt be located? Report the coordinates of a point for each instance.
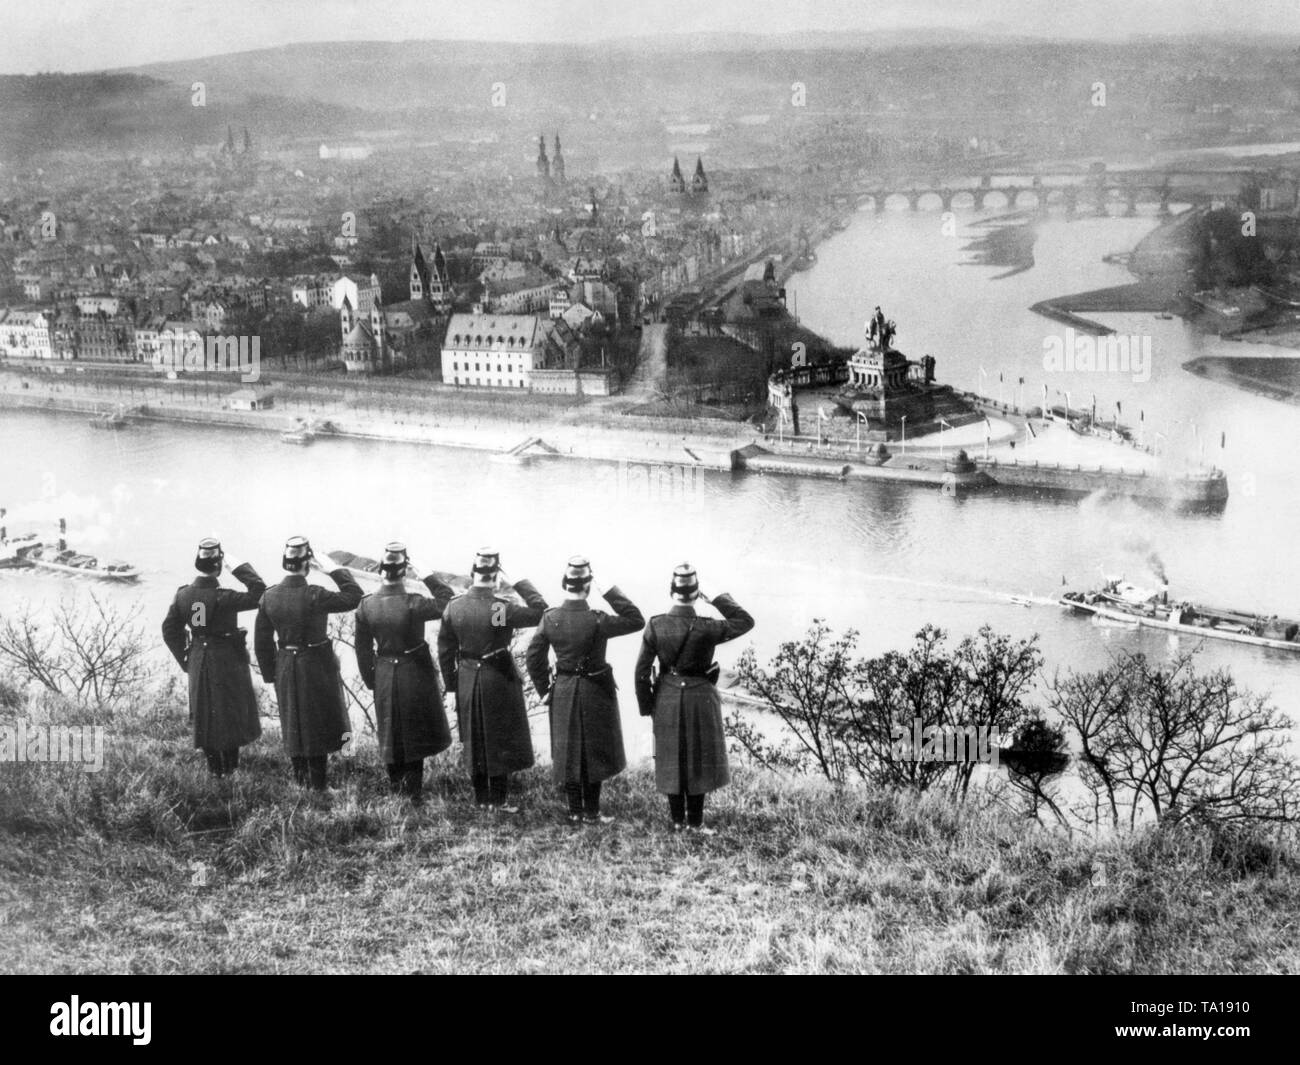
(409, 651)
(296, 649)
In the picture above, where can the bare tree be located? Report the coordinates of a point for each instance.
(808, 686)
(1035, 761)
(343, 631)
(90, 651)
(1169, 744)
(848, 716)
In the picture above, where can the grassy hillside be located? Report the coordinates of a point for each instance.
(149, 866)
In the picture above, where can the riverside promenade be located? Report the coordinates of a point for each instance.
(999, 453)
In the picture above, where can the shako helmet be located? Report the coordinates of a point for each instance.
(297, 553)
(393, 562)
(209, 557)
(577, 575)
(685, 583)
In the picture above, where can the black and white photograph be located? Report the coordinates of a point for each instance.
(583, 488)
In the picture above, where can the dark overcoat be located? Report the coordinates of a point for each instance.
(202, 632)
(586, 732)
(293, 651)
(395, 663)
(474, 655)
(690, 746)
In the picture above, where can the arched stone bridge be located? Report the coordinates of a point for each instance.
(1078, 195)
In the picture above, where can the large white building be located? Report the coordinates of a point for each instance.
(359, 292)
(25, 334)
(491, 350)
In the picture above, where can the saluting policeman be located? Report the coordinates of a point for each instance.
(313, 711)
(408, 700)
(478, 668)
(690, 747)
(202, 632)
(586, 734)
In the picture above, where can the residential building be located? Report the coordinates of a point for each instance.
(490, 350)
(25, 334)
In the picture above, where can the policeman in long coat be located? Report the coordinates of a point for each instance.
(202, 632)
(294, 652)
(474, 655)
(395, 663)
(690, 746)
(586, 733)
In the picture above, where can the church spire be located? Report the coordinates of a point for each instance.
(543, 164)
(557, 163)
(700, 182)
(676, 183)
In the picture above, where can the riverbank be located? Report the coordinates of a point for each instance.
(1272, 378)
(1159, 261)
(148, 866)
(600, 432)
(594, 431)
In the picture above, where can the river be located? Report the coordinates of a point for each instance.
(884, 559)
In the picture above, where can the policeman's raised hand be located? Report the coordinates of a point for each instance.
(502, 579)
(413, 571)
(702, 597)
(323, 562)
(232, 562)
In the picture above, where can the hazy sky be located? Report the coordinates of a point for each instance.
(74, 35)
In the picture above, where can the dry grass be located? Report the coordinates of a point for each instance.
(149, 866)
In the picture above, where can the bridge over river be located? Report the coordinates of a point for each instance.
(1073, 191)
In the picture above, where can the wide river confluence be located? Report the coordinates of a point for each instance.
(884, 559)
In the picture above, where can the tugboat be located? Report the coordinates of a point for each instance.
(301, 434)
(1119, 601)
(13, 553)
(61, 559)
(110, 420)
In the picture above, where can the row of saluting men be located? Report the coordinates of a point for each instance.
(675, 678)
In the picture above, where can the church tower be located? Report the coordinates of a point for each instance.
(419, 271)
(345, 318)
(699, 183)
(377, 328)
(439, 282)
(543, 164)
(676, 183)
(557, 163)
